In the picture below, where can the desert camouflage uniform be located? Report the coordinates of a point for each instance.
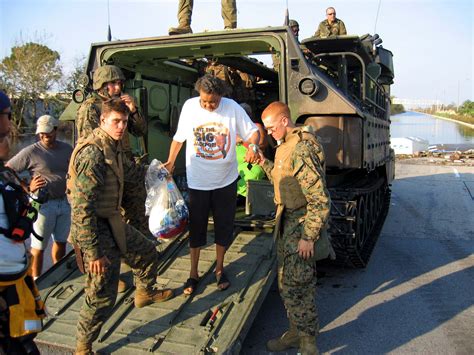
(299, 164)
(94, 236)
(228, 11)
(133, 202)
(326, 30)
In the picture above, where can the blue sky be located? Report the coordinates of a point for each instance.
(432, 40)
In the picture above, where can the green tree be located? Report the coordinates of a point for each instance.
(31, 70)
(395, 108)
(75, 79)
(467, 108)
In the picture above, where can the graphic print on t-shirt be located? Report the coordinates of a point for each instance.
(212, 141)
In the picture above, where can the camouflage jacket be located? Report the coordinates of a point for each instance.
(326, 30)
(88, 118)
(91, 169)
(306, 165)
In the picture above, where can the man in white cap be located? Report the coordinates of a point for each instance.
(47, 163)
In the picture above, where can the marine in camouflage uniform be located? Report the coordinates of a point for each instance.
(87, 120)
(97, 172)
(185, 11)
(332, 26)
(303, 204)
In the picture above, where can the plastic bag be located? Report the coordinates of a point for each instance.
(167, 211)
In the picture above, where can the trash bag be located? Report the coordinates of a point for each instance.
(165, 206)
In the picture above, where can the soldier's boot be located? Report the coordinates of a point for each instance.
(144, 297)
(231, 26)
(287, 340)
(308, 345)
(122, 286)
(180, 30)
(83, 349)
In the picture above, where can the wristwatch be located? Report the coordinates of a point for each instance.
(254, 147)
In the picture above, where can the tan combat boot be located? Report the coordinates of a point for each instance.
(144, 297)
(180, 30)
(308, 345)
(287, 340)
(83, 349)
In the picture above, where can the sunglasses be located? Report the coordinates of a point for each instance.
(332, 13)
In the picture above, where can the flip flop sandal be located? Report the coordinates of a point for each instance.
(190, 286)
(222, 279)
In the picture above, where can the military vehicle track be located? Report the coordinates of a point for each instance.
(357, 217)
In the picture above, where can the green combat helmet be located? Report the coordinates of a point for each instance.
(105, 74)
(293, 23)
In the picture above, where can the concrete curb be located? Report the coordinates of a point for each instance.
(452, 120)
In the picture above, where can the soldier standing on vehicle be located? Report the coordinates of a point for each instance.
(303, 204)
(295, 27)
(108, 83)
(185, 11)
(332, 26)
(47, 162)
(209, 124)
(97, 174)
(21, 308)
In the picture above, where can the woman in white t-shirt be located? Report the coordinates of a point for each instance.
(209, 124)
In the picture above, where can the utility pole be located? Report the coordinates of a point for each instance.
(459, 85)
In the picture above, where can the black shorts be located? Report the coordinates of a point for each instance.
(222, 203)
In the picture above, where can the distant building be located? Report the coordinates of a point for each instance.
(408, 145)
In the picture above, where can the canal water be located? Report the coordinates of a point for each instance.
(432, 129)
(408, 124)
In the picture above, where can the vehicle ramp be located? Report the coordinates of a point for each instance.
(209, 321)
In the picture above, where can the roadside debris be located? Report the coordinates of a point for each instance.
(439, 156)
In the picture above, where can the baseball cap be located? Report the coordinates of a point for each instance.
(46, 124)
(4, 101)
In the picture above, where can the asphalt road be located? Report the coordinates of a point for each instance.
(417, 293)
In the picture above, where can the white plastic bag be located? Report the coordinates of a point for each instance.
(167, 211)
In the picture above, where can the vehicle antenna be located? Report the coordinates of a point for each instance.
(287, 15)
(377, 16)
(109, 33)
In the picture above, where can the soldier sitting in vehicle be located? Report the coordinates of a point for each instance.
(332, 26)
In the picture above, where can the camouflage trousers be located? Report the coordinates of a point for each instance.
(101, 290)
(296, 278)
(228, 11)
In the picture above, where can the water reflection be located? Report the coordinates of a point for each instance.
(434, 130)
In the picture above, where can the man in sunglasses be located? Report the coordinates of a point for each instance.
(21, 309)
(330, 27)
(47, 163)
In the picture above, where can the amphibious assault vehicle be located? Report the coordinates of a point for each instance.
(340, 86)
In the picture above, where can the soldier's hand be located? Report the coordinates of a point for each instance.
(99, 266)
(261, 158)
(130, 102)
(37, 182)
(306, 248)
